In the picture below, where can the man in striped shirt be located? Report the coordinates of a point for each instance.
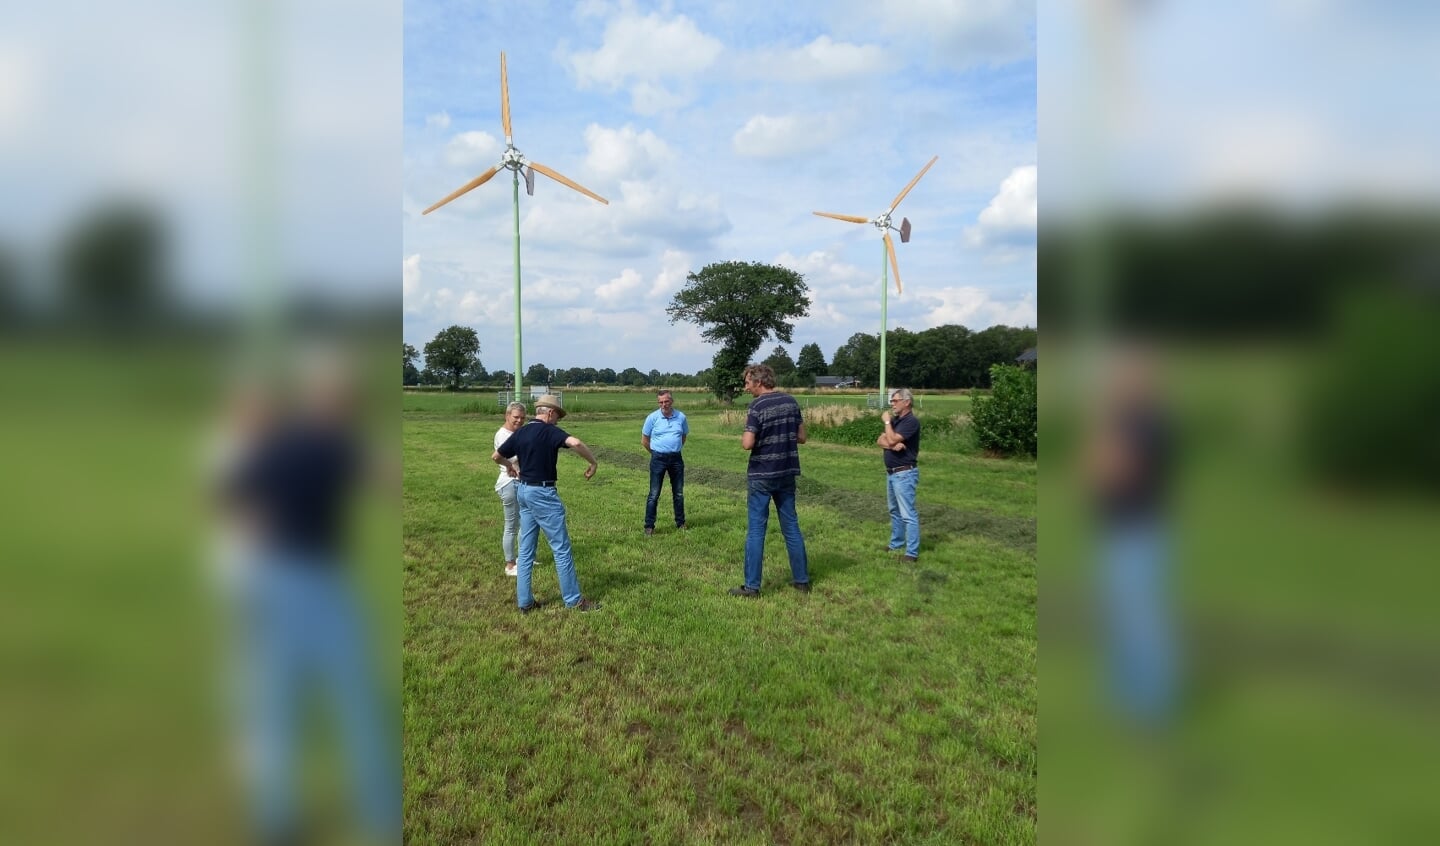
(773, 434)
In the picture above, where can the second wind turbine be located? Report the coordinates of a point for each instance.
(882, 222)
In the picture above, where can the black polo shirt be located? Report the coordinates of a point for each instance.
(536, 444)
(908, 428)
(299, 481)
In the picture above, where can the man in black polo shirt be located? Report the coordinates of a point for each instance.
(537, 444)
(901, 442)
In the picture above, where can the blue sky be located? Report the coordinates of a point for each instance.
(715, 130)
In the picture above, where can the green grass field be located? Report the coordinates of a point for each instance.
(894, 703)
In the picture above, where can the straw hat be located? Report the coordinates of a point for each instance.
(551, 401)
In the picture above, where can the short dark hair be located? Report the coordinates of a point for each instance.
(761, 373)
(664, 393)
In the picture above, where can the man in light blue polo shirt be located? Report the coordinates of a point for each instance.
(663, 435)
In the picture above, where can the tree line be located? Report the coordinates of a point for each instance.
(945, 357)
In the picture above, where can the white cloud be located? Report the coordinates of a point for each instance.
(469, 149)
(643, 51)
(410, 276)
(622, 288)
(650, 98)
(624, 153)
(18, 87)
(1010, 217)
(972, 307)
(767, 137)
(820, 60)
(674, 272)
(959, 34)
(647, 207)
(440, 120)
(648, 47)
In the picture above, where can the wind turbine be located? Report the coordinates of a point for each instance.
(513, 160)
(882, 222)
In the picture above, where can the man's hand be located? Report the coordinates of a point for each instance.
(885, 417)
(511, 471)
(590, 471)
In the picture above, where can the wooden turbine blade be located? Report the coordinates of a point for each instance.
(894, 268)
(468, 186)
(846, 217)
(504, 99)
(568, 182)
(901, 195)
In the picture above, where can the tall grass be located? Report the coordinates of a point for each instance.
(856, 426)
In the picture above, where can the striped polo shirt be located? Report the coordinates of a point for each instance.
(775, 420)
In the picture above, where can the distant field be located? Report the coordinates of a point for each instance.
(894, 704)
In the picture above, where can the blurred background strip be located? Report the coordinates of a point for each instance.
(198, 260)
(1240, 267)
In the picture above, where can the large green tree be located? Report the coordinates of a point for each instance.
(738, 305)
(811, 362)
(452, 353)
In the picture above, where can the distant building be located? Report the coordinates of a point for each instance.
(1027, 358)
(834, 381)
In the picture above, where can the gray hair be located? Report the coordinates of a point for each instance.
(514, 405)
(902, 394)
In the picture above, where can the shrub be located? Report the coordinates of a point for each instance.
(1006, 422)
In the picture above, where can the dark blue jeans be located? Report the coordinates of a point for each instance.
(662, 463)
(782, 491)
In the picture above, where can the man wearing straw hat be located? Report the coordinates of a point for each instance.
(537, 444)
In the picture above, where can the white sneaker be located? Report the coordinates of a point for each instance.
(510, 570)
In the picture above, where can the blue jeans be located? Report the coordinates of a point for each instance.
(303, 625)
(1141, 640)
(904, 519)
(511, 503)
(662, 463)
(541, 508)
(782, 491)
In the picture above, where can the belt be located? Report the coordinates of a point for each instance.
(549, 484)
(893, 470)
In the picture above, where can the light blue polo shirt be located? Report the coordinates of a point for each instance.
(665, 433)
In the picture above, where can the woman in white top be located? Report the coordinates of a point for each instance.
(505, 485)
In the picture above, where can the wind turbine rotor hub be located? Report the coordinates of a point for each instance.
(513, 159)
(882, 222)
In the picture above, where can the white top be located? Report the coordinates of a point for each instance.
(500, 438)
